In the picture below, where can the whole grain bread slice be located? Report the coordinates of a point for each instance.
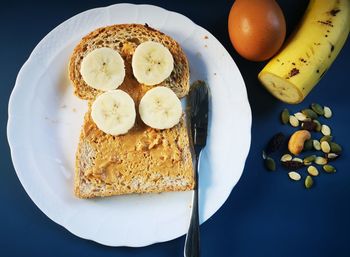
(144, 160)
(125, 38)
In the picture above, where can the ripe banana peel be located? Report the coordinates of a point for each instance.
(309, 52)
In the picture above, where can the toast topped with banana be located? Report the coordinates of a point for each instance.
(134, 137)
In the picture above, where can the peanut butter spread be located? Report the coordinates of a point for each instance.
(143, 151)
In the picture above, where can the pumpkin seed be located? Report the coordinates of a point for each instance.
(329, 168)
(327, 112)
(293, 121)
(310, 113)
(297, 159)
(308, 160)
(332, 156)
(286, 157)
(335, 148)
(325, 130)
(313, 171)
(326, 138)
(316, 144)
(270, 164)
(320, 160)
(285, 116)
(309, 182)
(317, 108)
(308, 145)
(300, 116)
(293, 175)
(318, 125)
(325, 147)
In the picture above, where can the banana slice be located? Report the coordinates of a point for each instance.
(160, 108)
(152, 63)
(103, 69)
(114, 112)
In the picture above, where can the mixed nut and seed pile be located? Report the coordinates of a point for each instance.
(301, 141)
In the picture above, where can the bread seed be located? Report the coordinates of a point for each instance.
(285, 116)
(300, 116)
(293, 121)
(325, 147)
(286, 157)
(317, 108)
(316, 144)
(327, 112)
(325, 130)
(320, 160)
(294, 175)
(329, 168)
(309, 182)
(313, 171)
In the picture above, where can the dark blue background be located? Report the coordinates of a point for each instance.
(265, 215)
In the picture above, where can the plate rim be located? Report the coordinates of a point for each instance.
(10, 130)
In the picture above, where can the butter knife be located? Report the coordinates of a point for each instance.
(198, 108)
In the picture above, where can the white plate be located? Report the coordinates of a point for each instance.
(45, 120)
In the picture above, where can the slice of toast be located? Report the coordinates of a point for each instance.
(144, 160)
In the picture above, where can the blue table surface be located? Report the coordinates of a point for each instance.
(266, 213)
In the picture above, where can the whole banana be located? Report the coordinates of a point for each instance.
(310, 51)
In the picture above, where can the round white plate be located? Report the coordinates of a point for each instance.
(45, 120)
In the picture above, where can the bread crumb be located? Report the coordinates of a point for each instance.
(74, 110)
(64, 106)
(205, 37)
(205, 46)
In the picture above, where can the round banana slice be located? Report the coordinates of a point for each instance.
(152, 63)
(160, 108)
(114, 112)
(103, 69)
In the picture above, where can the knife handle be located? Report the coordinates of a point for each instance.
(192, 239)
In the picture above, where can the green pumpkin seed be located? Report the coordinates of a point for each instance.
(326, 138)
(286, 157)
(313, 171)
(310, 113)
(285, 116)
(308, 145)
(325, 130)
(335, 148)
(308, 160)
(270, 164)
(318, 125)
(316, 145)
(293, 175)
(293, 121)
(317, 108)
(329, 168)
(327, 112)
(325, 147)
(309, 182)
(320, 160)
(300, 116)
